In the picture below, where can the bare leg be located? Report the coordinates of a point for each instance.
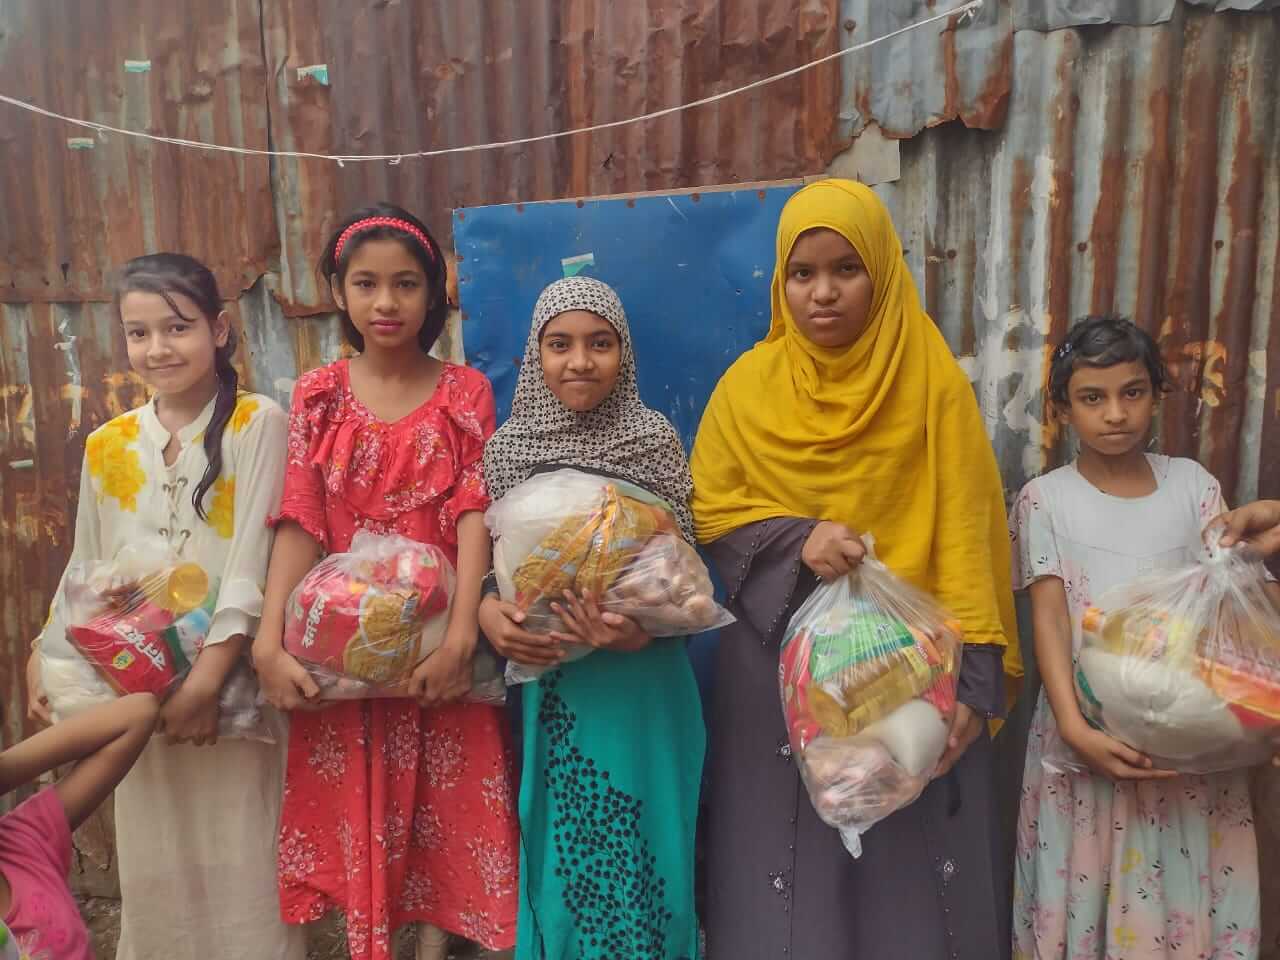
(433, 943)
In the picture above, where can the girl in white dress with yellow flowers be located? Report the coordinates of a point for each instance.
(198, 470)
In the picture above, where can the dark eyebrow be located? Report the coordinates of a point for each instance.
(398, 273)
(165, 319)
(602, 332)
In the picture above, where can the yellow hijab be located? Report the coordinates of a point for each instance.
(884, 435)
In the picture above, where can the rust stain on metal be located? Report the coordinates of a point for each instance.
(934, 259)
(546, 67)
(1153, 238)
(71, 216)
(969, 293)
(1104, 235)
(1269, 466)
(1063, 111)
(1234, 320)
(1019, 199)
(990, 106)
(1196, 190)
(950, 78)
(952, 69)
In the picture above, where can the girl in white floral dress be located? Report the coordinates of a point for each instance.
(199, 469)
(1128, 861)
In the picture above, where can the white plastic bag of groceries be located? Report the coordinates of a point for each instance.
(136, 624)
(1184, 666)
(567, 530)
(868, 676)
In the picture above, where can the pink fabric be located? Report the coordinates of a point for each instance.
(392, 813)
(35, 857)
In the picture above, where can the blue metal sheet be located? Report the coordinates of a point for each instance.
(692, 269)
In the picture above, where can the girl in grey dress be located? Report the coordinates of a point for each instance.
(851, 416)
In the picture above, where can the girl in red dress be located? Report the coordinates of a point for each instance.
(395, 811)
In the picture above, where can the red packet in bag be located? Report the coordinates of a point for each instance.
(132, 632)
(131, 651)
(362, 620)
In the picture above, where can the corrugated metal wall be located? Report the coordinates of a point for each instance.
(74, 206)
(321, 77)
(1048, 159)
(410, 76)
(1137, 171)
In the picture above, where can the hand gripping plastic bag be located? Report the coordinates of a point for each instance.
(868, 673)
(361, 621)
(574, 531)
(1184, 666)
(135, 625)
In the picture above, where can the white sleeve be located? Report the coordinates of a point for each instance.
(1034, 543)
(85, 548)
(260, 450)
(1208, 491)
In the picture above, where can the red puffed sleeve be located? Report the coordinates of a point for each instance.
(473, 416)
(316, 403)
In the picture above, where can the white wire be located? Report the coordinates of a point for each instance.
(968, 9)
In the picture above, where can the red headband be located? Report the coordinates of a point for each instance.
(370, 222)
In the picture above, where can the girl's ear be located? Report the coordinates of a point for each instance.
(335, 287)
(221, 328)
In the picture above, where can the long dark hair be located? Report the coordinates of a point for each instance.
(167, 274)
(430, 258)
(1104, 341)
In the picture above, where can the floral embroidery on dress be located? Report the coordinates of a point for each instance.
(401, 747)
(393, 836)
(497, 790)
(113, 461)
(297, 856)
(222, 514)
(387, 469)
(1139, 869)
(329, 756)
(479, 926)
(246, 406)
(386, 795)
(428, 830)
(445, 761)
(496, 866)
(357, 929)
(351, 849)
(419, 891)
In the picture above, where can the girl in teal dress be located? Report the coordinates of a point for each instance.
(613, 743)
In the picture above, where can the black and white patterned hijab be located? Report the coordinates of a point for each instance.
(621, 436)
